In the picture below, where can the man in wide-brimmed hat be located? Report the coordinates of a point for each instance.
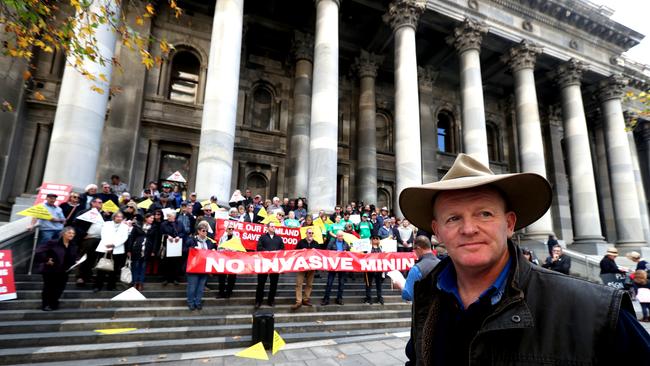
(485, 304)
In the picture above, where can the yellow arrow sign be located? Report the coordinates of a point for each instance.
(278, 342)
(115, 331)
(318, 234)
(145, 204)
(38, 211)
(110, 206)
(233, 244)
(255, 351)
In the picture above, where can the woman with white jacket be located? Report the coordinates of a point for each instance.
(114, 236)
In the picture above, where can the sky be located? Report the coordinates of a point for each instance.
(633, 14)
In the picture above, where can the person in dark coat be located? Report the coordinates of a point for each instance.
(107, 195)
(250, 215)
(268, 242)
(309, 242)
(171, 266)
(140, 247)
(227, 281)
(608, 263)
(55, 258)
(374, 276)
(196, 281)
(551, 243)
(336, 244)
(558, 261)
(72, 208)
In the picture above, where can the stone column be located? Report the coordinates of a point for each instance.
(521, 60)
(643, 208)
(80, 113)
(467, 39)
(584, 201)
(428, 128)
(323, 142)
(366, 65)
(303, 48)
(403, 16)
(624, 194)
(216, 150)
(43, 133)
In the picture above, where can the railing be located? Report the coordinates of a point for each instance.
(16, 237)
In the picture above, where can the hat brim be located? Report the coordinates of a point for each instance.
(528, 195)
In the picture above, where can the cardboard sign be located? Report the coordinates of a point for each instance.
(110, 206)
(318, 235)
(356, 219)
(256, 352)
(361, 245)
(233, 244)
(176, 177)
(250, 233)
(38, 211)
(7, 285)
(92, 216)
(145, 204)
(62, 192)
(388, 245)
(278, 342)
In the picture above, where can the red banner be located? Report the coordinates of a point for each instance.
(250, 233)
(61, 190)
(212, 261)
(7, 285)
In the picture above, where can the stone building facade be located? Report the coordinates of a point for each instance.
(352, 100)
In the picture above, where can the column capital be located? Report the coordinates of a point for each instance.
(468, 35)
(367, 64)
(404, 13)
(337, 2)
(570, 73)
(522, 56)
(303, 46)
(612, 87)
(427, 76)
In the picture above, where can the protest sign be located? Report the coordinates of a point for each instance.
(92, 216)
(174, 247)
(110, 206)
(250, 233)
(145, 204)
(62, 192)
(38, 211)
(210, 261)
(7, 284)
(262, 212)
(318, 235)
(233, 244)
(361, 245)
(388, 245)
(356, 219)
(221, 214)
(177, 177)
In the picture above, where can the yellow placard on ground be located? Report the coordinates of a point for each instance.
(145, 204)
(262, 212)
(278, 342)
(110, 206)
(271, 218)
(255, 351)
(318, 234)
(38, 211)
(233, 244)
(115, 331)
(349, 238)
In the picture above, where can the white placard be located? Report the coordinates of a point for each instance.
(221, 214)
(92, 216)
(643, 295)
(129, 295)
(398, 278)
(361, 245)
(177, 177)
(388, 245)
(81, 260)
(356, 219)
(174, 247)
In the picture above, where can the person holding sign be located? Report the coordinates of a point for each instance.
(227, 281)
(173, 234)
(365, 227)
(268, 242)
(50, 228)
(196, 281)
(338, 244)
(306, 277)
(114, 236)
(55, 257)
(376, 276)
(140, 248)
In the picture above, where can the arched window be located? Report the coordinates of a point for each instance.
(494, 152)
(384, 133)
(184, 77)
(257, 182)
(445, 132)
(383, 198)
(262, 108)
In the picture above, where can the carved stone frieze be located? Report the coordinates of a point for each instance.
(612, 87)
(404, 13)
(570, 73)
(303, 46)
(522, 56)
(367, 64)
(427, 76)
(468, 35)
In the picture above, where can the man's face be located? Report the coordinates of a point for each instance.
(97, 203)
(50, 200)
(271, 229)
(118, 218)
(92, 191)
(248, 193)
(557, 252)
(375, 242)
(115, 181)
(106, 188)
(339, 236)
(474, 226)
(193, 197)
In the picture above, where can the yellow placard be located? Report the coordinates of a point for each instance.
(145, 204)
(110, 206)
(349, 238)
(318, 235)
(278, 342)
(233, 244)
(115, 331)
(255, 351)
(271, 218)
(214, 207)
(206, 202)
(38, 211)
(262, 212)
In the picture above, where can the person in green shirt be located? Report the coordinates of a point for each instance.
(335, 227)
(365, 227)
(346, 219)
(291, 220)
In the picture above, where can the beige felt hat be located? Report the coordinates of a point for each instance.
(527, 194)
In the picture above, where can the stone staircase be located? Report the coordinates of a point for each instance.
(164, 325)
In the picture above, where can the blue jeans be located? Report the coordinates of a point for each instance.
(46, 235)
(138, 268)
(195, 287)
(330, 281)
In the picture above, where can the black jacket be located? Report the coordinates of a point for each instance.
(193, 242)
(139, 238)
(608, 265)
(332, 245)
(304, 244)
(543, 318)
(62, 257)
(562, 265)
(266, 243)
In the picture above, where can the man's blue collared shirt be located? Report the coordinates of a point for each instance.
(447, 283)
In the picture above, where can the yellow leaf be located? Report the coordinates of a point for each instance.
(642, 94)
(139, 20)
(103, 78)
(164, 46)
(48, 49)
(150, 9)
(97, 89)
(39, 96)
(26, 74)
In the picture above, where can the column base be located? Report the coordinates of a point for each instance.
(592, 248)
(625, 246)
(537, 235)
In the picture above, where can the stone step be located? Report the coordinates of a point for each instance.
(288, 278)
(195, 331)
(119, 350)
(174, 301)
(167, 311)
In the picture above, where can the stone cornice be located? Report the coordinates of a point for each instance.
(404, 13)
(569, 73)
(303, 46)
(522, 56)
(427, 76)
(468, 35)
(367, 64)
(612, 87)
(337, 2)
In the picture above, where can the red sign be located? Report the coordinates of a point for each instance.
(7, 285)
(61, 190)
(212, 261)
(250, 233)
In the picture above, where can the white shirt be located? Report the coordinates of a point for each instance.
(115, 234)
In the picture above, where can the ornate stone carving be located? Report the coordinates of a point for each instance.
(427, 76)
(473, 4)
(522, 56)
(573, 44)
(468, 35)
(303, 46)
(612, 87)
(367, 64)
(404, 13)
(527, 25)
(569, 73)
